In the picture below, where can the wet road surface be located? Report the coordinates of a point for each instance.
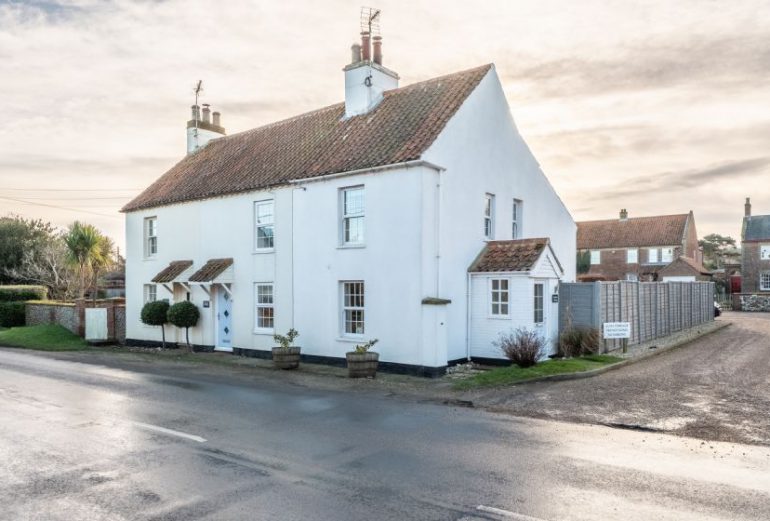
(715, 388)
(88, 442)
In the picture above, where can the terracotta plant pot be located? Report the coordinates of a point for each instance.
(362, 365)
(286, 358)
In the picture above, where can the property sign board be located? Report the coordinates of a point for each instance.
(617, 330)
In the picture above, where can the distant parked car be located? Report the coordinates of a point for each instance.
(717, 309)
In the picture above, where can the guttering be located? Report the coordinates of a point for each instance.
(371, 170)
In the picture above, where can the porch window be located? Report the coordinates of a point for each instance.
(150, 293)
(518, 209)
(150, 236)
(539, 288)
(489, 216)
(265, 311)
(353, 210)
(264, 217)
(596, 257)
(353, 307)
(499, 298)
(632, 256)
(764, 252)
(764, 281)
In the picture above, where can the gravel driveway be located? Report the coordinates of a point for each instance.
(716, 388)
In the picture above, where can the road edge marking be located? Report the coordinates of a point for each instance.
(507, 513)
(170, 432)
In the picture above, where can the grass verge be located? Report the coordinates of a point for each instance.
(42, 338)
(515, 374)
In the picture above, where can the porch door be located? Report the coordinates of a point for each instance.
(224, 321)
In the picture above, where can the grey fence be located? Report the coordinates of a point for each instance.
(654, 309)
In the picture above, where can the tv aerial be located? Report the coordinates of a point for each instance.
(370, 21)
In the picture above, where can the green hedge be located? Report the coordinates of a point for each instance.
(12, 314)
(22, 293)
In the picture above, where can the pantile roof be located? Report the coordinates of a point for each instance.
(756, 228)
(516, 255)
(401, 128)
(211, 270)
(172, 271)
(659, 230)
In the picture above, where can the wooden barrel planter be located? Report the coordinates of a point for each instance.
(287, 358)
(362, 365)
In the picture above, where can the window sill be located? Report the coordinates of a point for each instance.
(263, 250)
(499, 317)
(152, 258)
(351, 339)
(270, 332)
(351, 246)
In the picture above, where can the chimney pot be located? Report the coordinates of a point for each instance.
(196, 115)
(747, 207)
(355, 53)
(377, 53)
(206, 113)
(366, 48)
(215, 118)
(623, 214)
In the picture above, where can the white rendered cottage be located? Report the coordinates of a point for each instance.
(357, 221)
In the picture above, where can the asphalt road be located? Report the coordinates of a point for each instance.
(715, 388)
(88, 442)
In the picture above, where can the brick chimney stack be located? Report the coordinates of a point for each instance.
(747, 207)
(623, 214)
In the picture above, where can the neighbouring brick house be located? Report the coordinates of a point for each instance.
(661, 247)
(755, 248)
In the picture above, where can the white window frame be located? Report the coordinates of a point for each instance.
(652, 255)
(538, 299)
(268, 222)
(517, 218)
(350, 304)
(499, 298)
(764, 252)
(150, 237)
(632, 256)
(347, 216)
(489, 216)
(263, 305)
(764, 281)
(666, 255)
(596, 257)
(149, 293)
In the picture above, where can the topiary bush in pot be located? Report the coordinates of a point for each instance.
(184, 314)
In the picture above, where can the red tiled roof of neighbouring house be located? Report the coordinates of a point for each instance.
(517, 255)
(172, 271)
(700, 268)
(659, 230)
(399, 129)
(211, 270)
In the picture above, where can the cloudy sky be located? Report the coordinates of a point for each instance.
(656, 106)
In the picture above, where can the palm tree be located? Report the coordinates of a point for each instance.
(84, 244)
(102, 261)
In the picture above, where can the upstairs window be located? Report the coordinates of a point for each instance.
(596, 257)
(353, 210)
(518, 208)
(632, 256)
(264, 223)
(539, 295)
(353, 307)
(265, 310)
(489, 216)
(764, 252)
(652, 255)
(150, 236)
(666, 254)
(499, 298)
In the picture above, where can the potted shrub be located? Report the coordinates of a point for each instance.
(184, 314)
(362, 363)
(155, 313)
(286, 356)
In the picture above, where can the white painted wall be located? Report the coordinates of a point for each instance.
(483, 152)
